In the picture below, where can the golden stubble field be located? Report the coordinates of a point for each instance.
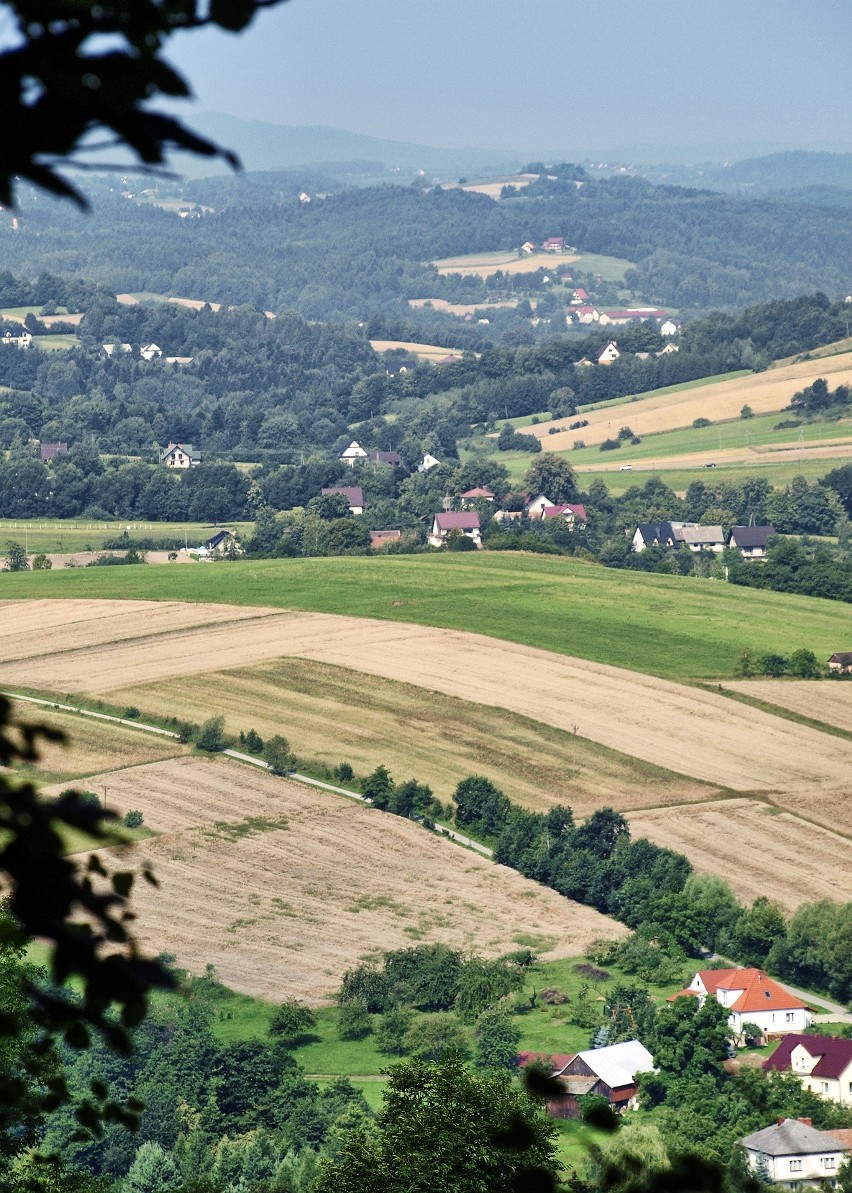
(827, 701)
(693, 732)
(283, 888)
(337, 714)
(759, 850)
(484, 264)
(764, 392)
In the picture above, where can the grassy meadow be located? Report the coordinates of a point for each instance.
(675, 627)
(62, 536)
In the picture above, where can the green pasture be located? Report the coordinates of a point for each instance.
(56, 343)
(672, 626)
(60, 536)
(611, 269)
(679, 479)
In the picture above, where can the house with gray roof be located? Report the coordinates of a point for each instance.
(751, 541)
(793, 1154)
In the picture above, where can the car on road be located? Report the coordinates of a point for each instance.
(626, 468)
(710, 464)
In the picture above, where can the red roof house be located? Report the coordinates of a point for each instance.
(572, 514)
(466, 522)
(354, 494)
(750, 997)
(823, 1064)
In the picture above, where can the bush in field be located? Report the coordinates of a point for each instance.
(353, 1020)
(42, 564)
(292, 1023)
(211, 735)
(436, 1037)
(133, 819)
(804, 664)
(497, 1040)
(344, 773)
(392, 1029)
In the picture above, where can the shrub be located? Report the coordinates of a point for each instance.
(133, 819)
(344, 773)
(436, 1037)
(277, 755)
(610, 445)
(701, 422)
(211, 735)
(747, 664)
(625, 433)
(131, 713)
(804, 665)
(392, 1029)
(42, 564)
(292, 1022)
(254, 742)
(746, 412)
(773, 665)
(353, 1020)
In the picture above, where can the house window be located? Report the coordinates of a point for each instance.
(795, 1165)
(790, 1016)
(825, 1087)
(828, 1161)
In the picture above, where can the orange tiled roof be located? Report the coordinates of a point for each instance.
(759, 992)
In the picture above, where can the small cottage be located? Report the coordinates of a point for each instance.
(750, 541)
(823, 1064)
(180, 455)
(466, 522)
(841, 662)
(354, 494)
(350, 454)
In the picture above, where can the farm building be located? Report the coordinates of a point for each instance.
(554, 244)
(750, 997)
(841, 662)
(444, 524)
(150, 351)
(428, 461)
(750, 541)
(655, 534)
(354, 494)
(479, 493)
(23, 339)
(109, 350)
(609, 1072)
(703, 538)
(792, 1153)
(394, 459)
(608, 354)
(221, 542)
(180, 455)
(823, 1065)
(381, 538)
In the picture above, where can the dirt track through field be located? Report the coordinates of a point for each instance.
(688, 730)
(772, 854)
(283, 903)
(764, 392)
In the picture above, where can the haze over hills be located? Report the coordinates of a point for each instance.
(266, 146)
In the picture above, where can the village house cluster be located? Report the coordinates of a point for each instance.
(750, 541)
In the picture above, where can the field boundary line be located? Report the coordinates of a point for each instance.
(238, 756)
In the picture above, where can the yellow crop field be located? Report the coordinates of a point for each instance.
(763, 392)
(484, 264)
(432, 353)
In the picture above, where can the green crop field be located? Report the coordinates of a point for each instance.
(56, 343)
(679, 479)
(60, 536)
(675, 627)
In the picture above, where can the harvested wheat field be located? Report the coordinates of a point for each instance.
(693, 732)
(91, 745)
(829, 702)
(764, 392)
(484, 264)
(757, 849)
(333, 714)
(283, 888)
(463, 308)
(431, 352)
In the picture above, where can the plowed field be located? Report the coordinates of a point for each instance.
(283, 888)
(758, 850)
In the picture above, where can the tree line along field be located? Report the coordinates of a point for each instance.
(674, 627)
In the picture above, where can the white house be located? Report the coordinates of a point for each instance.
(823, 1065)
(573, 514)
(428, 461)
(23, 339)
(792, 1153)
(703, 538)
(750, 997)
(443, 524)
(536, 506)
(180, 455)
(587, 314)
(150, 351)
(352, 453)
(668, 349)
(108, 350)
(354, 495)
(668, 328)
(608, 354)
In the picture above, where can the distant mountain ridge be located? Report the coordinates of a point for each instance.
(266, 146)
(791, 170)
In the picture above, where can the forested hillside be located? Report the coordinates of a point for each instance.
(356, 253)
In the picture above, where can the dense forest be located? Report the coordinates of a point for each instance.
(360, 252)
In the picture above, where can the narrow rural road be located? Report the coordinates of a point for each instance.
(251, 759)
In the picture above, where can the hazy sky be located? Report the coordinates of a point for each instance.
(541, 73)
